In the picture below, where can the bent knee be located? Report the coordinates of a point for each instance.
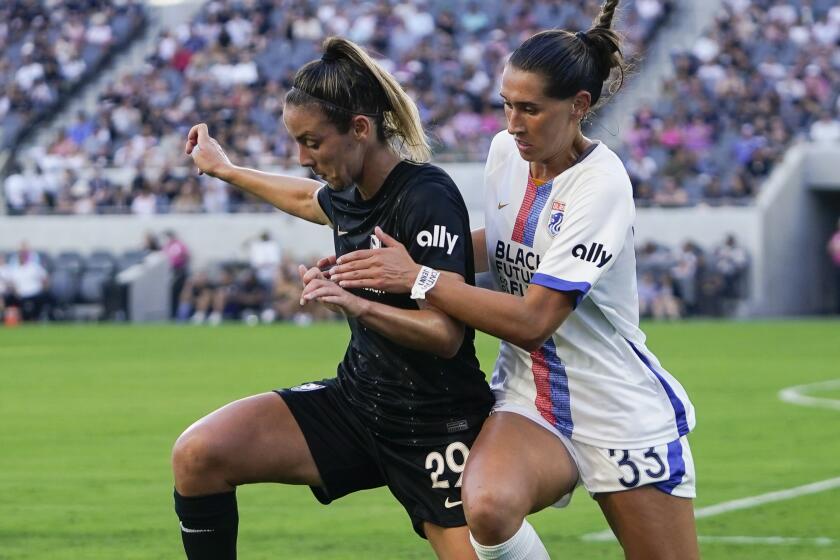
(195, 455)
(493, 514)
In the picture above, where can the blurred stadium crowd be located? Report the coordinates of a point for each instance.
(231, 67)
(49, 48)
(264, 286)
(760, 78)
(763, 76)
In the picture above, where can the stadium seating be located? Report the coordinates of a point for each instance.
(49, 48)
(231, 67)
(756, 81)
(695, 280)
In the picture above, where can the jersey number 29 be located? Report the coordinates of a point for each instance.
(436, 463)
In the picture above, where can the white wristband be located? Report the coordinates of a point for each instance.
(426, 280)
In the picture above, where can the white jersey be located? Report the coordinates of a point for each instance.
(594, 379)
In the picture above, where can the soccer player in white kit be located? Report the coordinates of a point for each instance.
(580, 398)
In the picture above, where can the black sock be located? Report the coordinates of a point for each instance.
(209, 525)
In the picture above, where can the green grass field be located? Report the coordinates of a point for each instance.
(88, 415)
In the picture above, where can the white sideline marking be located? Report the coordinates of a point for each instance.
(743, 503)
(774, 540)
(770, 497)
(793, 395)
(790, 541)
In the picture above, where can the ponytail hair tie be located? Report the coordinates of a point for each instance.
(583, 37)
(329, 57)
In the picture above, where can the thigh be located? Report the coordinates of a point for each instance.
(650, 524)
(255, 439)
(450, 543)
(526, 467)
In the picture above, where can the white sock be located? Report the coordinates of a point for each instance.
(524, 545)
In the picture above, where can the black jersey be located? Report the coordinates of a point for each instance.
(398, 391)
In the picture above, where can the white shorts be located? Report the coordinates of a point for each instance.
(668, 467)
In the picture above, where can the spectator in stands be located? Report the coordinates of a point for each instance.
(731, 261)
(179, 260)
(666, 305)
(826, 130)
(188, 200)
(684, 274)
(647, 294)
(210, 305)
(14, 188)
(245, 299)
(672, 194)
(29, 282)
(834, 255)
(710, 285)
(195, 298)
(264, 256)
(144, 203)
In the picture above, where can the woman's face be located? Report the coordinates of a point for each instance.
(335, 157)
(543, 127)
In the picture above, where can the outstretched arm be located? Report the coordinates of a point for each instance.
(525, 321)
(294, 195)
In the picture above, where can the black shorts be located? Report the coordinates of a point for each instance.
(425, 479)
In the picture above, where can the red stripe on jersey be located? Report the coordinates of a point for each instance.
(541, 372)
(522, 217)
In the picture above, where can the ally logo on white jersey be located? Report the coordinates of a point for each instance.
(438, 237)
(595, 253)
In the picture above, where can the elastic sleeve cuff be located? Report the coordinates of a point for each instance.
(580, 288)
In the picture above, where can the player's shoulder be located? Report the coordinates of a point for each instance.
(603, 172)
(426, 182)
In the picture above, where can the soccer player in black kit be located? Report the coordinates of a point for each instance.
(409, 398)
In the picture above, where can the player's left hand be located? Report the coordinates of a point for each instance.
(334, 297)
(390, 268)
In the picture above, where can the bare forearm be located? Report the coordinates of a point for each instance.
(511, 318)
(422, 329)
(293, 195)
(500, 315)
(480, 251)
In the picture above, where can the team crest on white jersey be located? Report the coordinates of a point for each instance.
(555, 219)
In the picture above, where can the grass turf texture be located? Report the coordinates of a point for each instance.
(88, 416)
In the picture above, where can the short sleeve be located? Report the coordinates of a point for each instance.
(436, 228)
(594, 229)
(326, 203)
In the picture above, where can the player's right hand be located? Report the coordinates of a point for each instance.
(325, 265)
(206, 153)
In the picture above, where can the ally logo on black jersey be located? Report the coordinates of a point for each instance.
(595, 253)
(438, 237)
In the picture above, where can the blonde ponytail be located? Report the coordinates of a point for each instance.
(347, 82)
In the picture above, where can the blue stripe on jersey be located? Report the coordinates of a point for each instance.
(676, 466)
(543, 193)
(562, 285)
(561, 405)
(676, 403)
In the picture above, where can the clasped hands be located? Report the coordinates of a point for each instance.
(389, 268)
